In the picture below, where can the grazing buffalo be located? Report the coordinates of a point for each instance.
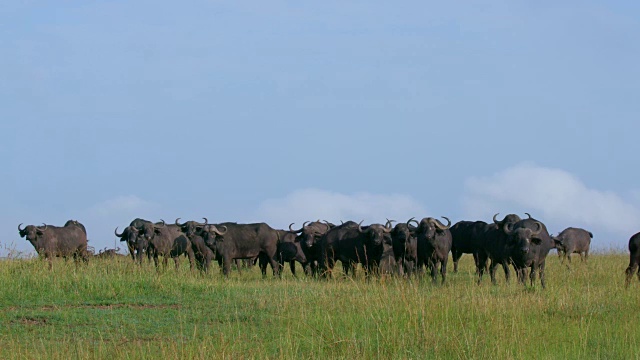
(467, 238)
(634, 258)
(495, 247)
(405, 248)
(242, 241)
(573, 240)
(530, 244)
(433, 245)
(53, 241)
(308, 236)
(352, 244)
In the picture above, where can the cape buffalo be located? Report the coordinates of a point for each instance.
(202, 253)
(495, 247)
(405, 250)
(53, 241)
(130, 236)
(634, 258)
(352, 244)
(242, 241)
(309, 235)
(137, 236)
(289, 250)
(433, 245)
(573, 240)
(467, 238)
(167, 241)
(530, 244)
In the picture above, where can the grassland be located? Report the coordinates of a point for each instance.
(115, 309)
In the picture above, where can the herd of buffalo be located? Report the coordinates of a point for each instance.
(405, 248)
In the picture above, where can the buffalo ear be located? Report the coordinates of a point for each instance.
(156, 230)
(536, 240)
(39, 232)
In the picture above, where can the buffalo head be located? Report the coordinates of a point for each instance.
(521, 238)
(31, 232)
(429, 226)
(375, 234)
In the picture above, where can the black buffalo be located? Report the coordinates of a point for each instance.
(167, 241)
(433, 245)
(130, 236)
(634, 258)
(352, 244)
(53, 241)
(467, 238)
(202, 253)
(405, 248)
(573, 240)
(137, 236)
(308, 236)
(496, 247)
(242, 241)
(289, 250)
(530, 244)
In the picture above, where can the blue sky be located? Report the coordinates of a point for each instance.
(285, 112)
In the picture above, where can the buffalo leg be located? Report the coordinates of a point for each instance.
(507, 272)
(443, 269)
(433, 266)
(633, 267)
(542, 278)
(532, 275)
(275, 266)
(292, 266)
(456, 257)
(492, 271)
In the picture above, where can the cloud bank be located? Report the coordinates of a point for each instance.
(552, 195)
(314, 204)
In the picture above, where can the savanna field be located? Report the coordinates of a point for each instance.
(112, 308)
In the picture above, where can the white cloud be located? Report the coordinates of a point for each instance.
(552, 195)
(314, 204)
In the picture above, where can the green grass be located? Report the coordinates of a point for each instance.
(115, 309)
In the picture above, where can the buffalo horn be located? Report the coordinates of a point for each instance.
(218, 232)
(538, 230)
(295, 231)
(414, 220)
(19, 229)
(116, 232)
